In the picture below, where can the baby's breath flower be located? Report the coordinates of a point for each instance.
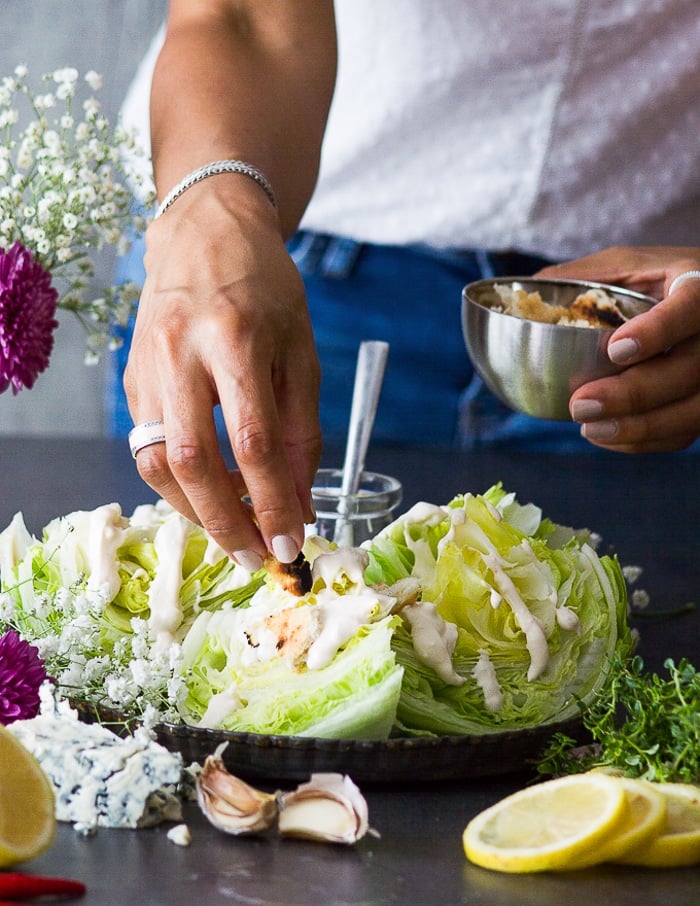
(64, 91)
(631, 573)
(66, 76)
(8, 118)
(7, 607)
(640, 599)
(91, 108)
(65, 196)
(44, 101)
(47, 646)
(94, 80)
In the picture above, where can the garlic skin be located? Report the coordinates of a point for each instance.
(229, 803)
(329, 808)
(180, 835)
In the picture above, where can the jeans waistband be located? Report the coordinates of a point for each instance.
(335, 257)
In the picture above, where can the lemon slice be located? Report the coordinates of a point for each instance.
(27, 817)
(548, 826)
(645, 818)
(679, 842)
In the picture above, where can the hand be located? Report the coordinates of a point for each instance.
(654, 404)
(223, 319)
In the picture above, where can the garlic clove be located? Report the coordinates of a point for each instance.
(328, 808)
(229, 803)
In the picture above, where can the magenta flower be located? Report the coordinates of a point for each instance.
(27, 318)
(21, 673)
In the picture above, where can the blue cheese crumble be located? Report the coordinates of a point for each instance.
(100, 779)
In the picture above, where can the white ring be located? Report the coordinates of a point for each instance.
(145, 434)
(681, 278)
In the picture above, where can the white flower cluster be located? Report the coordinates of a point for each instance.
(72, 637)
(65, 192)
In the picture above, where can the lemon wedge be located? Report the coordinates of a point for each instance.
(27, 817)
(679, 841)
(548, 826)
(645, 818)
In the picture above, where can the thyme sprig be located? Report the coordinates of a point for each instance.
(643, 725)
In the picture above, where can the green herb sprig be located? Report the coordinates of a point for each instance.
(643, 725)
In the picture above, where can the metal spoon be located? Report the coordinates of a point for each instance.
(369, 375)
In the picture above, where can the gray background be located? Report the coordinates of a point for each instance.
(109, 36)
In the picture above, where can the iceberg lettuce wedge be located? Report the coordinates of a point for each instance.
(547, 619)
(355, 696)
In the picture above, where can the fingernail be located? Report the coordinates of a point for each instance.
(603, 430)
(621, 351)
(249, 560)
(585, 410)
(285, 548)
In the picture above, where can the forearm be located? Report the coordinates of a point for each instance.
(245, 80)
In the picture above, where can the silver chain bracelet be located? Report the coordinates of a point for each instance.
(212, 169)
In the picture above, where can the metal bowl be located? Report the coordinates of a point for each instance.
(531, 366)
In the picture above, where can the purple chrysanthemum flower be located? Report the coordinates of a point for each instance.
(27, 318)
(21, 673)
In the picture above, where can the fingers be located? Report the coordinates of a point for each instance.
(647, 270)
(670, 322)
(189, 470)
(263, 370)
(652, 406)
(258, 446)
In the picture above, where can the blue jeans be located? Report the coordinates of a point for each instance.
(410, 297)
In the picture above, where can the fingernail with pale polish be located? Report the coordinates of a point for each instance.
(621, 351)
(249, 560)
(585, 410)
(285, 548)
(603, 430)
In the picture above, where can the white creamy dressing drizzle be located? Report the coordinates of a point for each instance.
(567, 618)
(170, 542)
(150, 515)
(428, 514)
(220, 706)
(340, 619)
(484, 674)
(434, 640)
(331, 618)
(458, 518)
(348, 561)
(535, 639)
(105, 532)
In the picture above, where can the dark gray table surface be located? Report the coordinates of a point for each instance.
(647, 509)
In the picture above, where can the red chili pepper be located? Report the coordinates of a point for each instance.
(19, 886)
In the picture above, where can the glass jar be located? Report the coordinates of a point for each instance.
(350, 520)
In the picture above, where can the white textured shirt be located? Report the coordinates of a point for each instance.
(555, 127)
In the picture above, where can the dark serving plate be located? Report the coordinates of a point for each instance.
(398, 760)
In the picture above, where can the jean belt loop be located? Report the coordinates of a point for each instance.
(340, 258)
(307, 250)
(486, 267)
